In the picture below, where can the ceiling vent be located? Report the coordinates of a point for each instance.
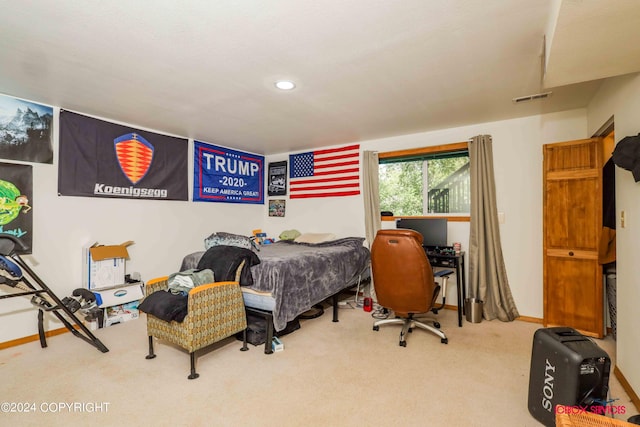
(531, 97)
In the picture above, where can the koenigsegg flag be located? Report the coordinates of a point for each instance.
(103, 159)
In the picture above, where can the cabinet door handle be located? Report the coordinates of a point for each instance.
(570, 253)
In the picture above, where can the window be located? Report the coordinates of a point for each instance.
(427, 181)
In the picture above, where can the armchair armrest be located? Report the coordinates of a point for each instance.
(207, 288)
(157, 284)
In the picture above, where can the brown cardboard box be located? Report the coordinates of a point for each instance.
(104, 266)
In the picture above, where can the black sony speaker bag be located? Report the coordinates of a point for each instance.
(567, 368)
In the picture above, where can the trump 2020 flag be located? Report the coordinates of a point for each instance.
(325, 173)
(224, 175)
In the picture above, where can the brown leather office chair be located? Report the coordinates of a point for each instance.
(404, 281)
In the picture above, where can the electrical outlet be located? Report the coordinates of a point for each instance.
(622, 219)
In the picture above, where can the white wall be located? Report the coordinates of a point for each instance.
(343, 216)
(517, 149)
(163, 232)
(620, 97)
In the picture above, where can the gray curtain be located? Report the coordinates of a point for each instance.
(371, 195)
(487, 273)
(371, 191)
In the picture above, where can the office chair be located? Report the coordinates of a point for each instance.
(404, 281)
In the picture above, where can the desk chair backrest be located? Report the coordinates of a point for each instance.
(402, 275)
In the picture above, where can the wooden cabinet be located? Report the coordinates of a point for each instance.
(572, 222)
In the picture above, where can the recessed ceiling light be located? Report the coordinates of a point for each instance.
(285, 85)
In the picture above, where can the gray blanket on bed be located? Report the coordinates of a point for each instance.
(299, 275)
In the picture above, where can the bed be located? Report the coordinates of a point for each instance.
(293, 277)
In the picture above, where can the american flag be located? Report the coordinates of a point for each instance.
(325, 173)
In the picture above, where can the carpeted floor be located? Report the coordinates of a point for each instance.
(330, 374)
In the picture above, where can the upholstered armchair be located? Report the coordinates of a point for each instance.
(214, 311)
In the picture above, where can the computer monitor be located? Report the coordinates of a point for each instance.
(433, 230)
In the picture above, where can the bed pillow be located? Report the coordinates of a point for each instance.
(228, 239)
(315, 238)
(289, 234)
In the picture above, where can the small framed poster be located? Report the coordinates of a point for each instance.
(25, 130)
(276, 208)
(278, 178)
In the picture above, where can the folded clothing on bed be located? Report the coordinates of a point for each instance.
(224, 261)
(222, 238)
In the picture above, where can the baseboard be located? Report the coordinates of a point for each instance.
(627, 387)
(521, 318)
(31, 338)
(530, 319)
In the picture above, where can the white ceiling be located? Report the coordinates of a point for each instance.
(365, 69)
(593, 39)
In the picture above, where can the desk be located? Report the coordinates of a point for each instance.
(456, 261)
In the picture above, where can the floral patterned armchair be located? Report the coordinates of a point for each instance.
(214, 311)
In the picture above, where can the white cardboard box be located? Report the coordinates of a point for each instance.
(118, 296)
(104, 266)
(121, 313)
(116, 314)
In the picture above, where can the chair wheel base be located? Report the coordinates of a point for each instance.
(436, 324)
(444, 340)
(403, 343)
(376, 328)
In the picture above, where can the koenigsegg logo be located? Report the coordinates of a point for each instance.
(134, 155)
